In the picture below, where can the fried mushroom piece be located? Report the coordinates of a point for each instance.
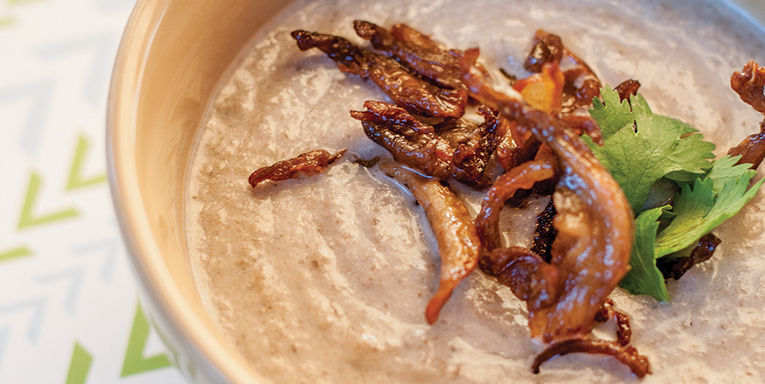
(591, 252)
(544, 232)
(458, 243)
(407, 90)
(749, 84)
(675, 267)
(471, 156)
(308, 164)
(627, 355)
(581, 83)
(410, 141)
(415, 50)
(627, 88)
(521, 177)
(417, 145)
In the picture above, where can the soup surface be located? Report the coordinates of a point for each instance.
(325, 279)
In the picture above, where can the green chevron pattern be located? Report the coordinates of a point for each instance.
(135, 362)
(28, 218)
(76, 180)
(79, 367)
(15, 253)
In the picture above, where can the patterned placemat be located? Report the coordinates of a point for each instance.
(68, 306)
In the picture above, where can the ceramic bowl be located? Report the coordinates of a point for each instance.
(172, 56)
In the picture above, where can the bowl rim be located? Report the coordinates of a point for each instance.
(167, 305)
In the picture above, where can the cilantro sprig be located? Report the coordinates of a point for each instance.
(641, 147)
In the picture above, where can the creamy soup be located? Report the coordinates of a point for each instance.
(325, 279)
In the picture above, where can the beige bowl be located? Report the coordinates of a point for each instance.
(170, 60)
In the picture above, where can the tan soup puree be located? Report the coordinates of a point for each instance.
(325, 279)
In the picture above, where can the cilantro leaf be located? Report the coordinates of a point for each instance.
(644, 278)
(641, 147)
(616, 116)
(699, 209)
(725, 170)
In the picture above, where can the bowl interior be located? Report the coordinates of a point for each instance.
(171, 59)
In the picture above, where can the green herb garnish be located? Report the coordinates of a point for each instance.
(641, 147)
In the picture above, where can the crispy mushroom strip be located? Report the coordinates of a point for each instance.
(544, 232)
(414, 49)
(417, 145)
(410, 141)
(308, 164)
(471, 156)
(749, 84)
(416, 95)
(623, 329)
(521, 177)
(627, 355)
(581, 84)
(594, 222)
(627, 88)
(458, 243)
(675, 267)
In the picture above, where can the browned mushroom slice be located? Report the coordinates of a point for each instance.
(544, 232)
(459, 151)
(749, 84)
(408, 91)
(521, 177)
(595, 225)
(415, 49)
(458, 243)
(471, 157)
(627, 355)
(410, 141)
(627, 88)
(675, 267)
(581, 83)
(308, 164)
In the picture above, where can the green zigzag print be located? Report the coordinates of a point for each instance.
(135, 362)
(28, 219)
(79, 366)
(76, 180)
(15, 253)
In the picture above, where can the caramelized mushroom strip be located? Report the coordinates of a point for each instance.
(675, 267)
(415, 144)
(595, 227)
(410, 141)
(581, 84)
(627, 355)
(529, 277)
(750, 84)
(623, 329)
(415, 49)
(751, 149)
(472, 156)
(523, 176)
(458, 243)
(309, 164)
(544, 232)
(416, 95)
(627, 88)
